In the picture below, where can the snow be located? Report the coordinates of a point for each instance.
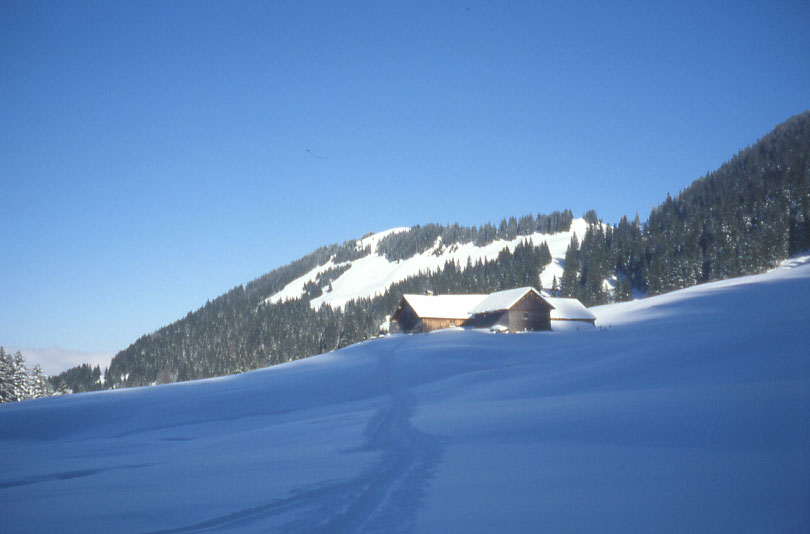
(670, 304)
(568, 309)
(501, 300)
(685, 412)
(373, 274)
(295, 288)
(557, 245)
(374, 239)
(443, 306)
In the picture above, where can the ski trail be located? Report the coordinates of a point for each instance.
(393, 489)
(385, 498)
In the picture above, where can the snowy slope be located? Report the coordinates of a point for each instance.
(373, 274)
(686, 412)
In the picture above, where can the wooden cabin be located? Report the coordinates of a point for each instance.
(513, 310)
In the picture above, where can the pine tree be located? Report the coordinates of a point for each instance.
(569, 284)
(22, 383)
(624, 291)
(7, 392)
(40, 387)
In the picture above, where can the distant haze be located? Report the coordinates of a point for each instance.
(54, 360)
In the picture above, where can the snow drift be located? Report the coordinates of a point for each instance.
(686, 412)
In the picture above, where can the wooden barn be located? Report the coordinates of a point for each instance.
(514, 310)
(424, 313)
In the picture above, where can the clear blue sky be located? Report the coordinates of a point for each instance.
(155, 154)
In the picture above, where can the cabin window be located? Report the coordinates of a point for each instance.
(452, 322)
(525, 316)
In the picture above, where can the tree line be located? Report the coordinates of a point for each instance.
(741, 219)
(419, 239)
(18, 383)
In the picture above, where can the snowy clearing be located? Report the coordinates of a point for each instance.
(686, 412)
(371, 275)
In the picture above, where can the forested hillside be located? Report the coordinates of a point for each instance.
(240, 331)
(740, 219)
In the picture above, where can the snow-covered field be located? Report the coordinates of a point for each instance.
(373, 274)
(688, 412)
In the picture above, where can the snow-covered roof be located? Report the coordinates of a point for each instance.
(502, 300)
(464, 306)
(443, 306)
(569, 309)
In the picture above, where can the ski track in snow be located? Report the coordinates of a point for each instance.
(382, 499)
(64, 475)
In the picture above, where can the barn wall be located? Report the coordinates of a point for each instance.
(436, 324)
(487, 320)
(407, 320)
(530, 313)
(520, 321)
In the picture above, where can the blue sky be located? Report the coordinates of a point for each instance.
(155, 154)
